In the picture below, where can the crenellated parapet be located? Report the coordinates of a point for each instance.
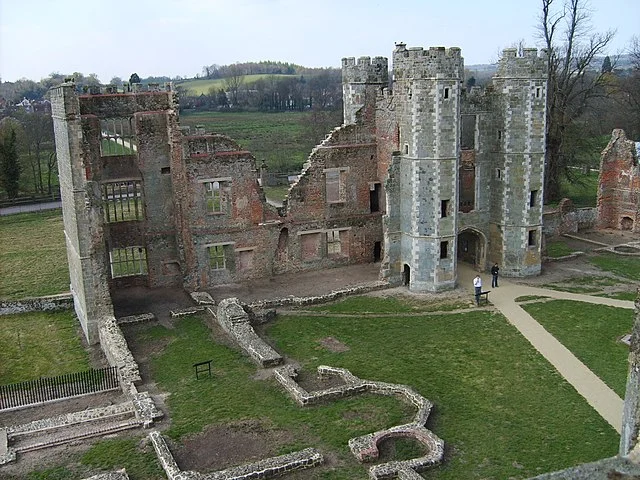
(435, 62)
(531, 64)
(365, 70)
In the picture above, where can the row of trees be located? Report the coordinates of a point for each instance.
(27, 146)
(321, 89)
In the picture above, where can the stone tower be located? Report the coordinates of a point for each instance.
(361, 83)
(516, 212)
(422, 193)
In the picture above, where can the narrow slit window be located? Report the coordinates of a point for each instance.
(533, 198)
(444, 208)
(444, 250)
(532, 238)
(446, 93)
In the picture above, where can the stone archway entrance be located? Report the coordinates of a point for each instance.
(472, 248)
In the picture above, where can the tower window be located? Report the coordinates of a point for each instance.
(498, 174)
(446, 93)
(538, 92)
(444, 208)
(406, 149)
(532, 238)
(533, 198)
(444, 249)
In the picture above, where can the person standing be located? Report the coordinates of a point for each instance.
(477, 285)
(494, 275)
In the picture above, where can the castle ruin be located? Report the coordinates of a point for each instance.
(421, 175)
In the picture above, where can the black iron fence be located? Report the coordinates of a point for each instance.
(46, 389)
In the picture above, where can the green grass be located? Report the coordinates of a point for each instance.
(526, 298)
(586, 284)
(498, 403)
(40, 344)
(140, 461)
(278, 138)
(276, 193)
(202, 86)
(592, 334)
(557, 249)
(629, 296)
(625, 266)
(33, 257)
(475, 367)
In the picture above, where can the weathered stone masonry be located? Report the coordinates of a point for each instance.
(419, 177)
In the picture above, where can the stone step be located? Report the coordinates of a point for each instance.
(60, 437)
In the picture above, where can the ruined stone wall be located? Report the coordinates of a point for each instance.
(81, 214)
(520, 82)
(619, 184)
(361, 82)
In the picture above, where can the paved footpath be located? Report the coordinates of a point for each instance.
(604, 400)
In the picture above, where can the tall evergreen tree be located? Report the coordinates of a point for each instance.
(9, 165)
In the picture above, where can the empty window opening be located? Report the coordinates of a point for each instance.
(538, 92)
(335, 185)
(117, 136)
(212, 194)
(468, 132)
(533, 198)
(498, 174)
(467, 187)
(165, 170)
(122, 201)
(444, 249)
(128, 261)
(283, 244)
(626, 223)
(499, 134)
(444, 208)
(532, 238)
(374, 197)
(377, 251)
(406, 275)
(406, 149)
(217, 258)
(446, 92)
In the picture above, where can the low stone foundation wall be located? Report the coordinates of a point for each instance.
(235, 321)
(39, 304)
(267, 468)
(365, 448)
(115, 348)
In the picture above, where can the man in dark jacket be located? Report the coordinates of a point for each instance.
(494, 275)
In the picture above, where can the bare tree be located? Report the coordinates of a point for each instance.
(573, 82)
(233, 81)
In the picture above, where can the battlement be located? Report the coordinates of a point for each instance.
(421, 63)
(531, 64)
(365, 70)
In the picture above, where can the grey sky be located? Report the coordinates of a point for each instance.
(179, 37)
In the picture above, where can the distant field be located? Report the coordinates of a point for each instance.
(281, 138)
(202, 86)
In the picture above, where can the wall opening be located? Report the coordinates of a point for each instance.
(377, 252)
(533, 198)
(406, 275)
(471, 248)
(532, 241)
(467, 185)
(444, 208)
(468, 132)
(626, 223)
(374, 197)
(444, 250)
(283, 245)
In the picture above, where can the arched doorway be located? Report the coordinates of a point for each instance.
(472, 248)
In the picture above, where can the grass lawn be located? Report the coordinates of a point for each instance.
(499, 406)
(586, 284)
(591, 333)
(365, 304)
(40, 344)
(278, 138)
(623, 265)
(558, 248)
(33, 257)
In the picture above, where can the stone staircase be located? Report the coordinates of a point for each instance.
(71, 427)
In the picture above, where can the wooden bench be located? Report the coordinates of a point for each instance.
(481, 295)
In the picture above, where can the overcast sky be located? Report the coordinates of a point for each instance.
(179, 37)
